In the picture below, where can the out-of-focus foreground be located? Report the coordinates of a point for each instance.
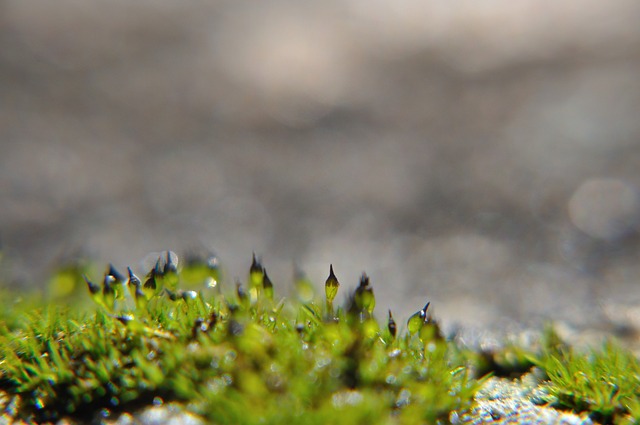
(482, 155)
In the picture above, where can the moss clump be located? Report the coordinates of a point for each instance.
(603, 382)
(246, 356)
(241, 357)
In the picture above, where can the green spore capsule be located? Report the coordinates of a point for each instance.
(118, 282)
(93, 288)
(94, 291)
(256, 280)
(331, 286)
(119, 277)
(364, 298)
(134, 283)
(108, 292)
(267, 286)
(417, 320)
(151, 287)
(170, 272)
(256, 273)
(391, 325)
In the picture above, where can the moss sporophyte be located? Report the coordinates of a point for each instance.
(248, 356)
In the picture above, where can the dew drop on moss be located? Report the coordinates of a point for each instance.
(38, 403)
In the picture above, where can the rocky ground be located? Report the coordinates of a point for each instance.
(503, 401)
(480, 155)
(500, 401)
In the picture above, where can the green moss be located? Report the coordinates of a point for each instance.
(247, 356)
(229, 358)
(604, 382)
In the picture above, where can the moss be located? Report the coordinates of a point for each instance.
(246, 356)
(232, 357)
(604, 381)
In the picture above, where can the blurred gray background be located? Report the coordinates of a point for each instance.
(481, 155)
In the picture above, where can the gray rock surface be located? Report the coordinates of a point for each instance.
(503, 401)
(481, 155)
(156, 415)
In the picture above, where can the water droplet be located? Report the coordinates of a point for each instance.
(38, 403)
(404, 398)
(395, 353)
